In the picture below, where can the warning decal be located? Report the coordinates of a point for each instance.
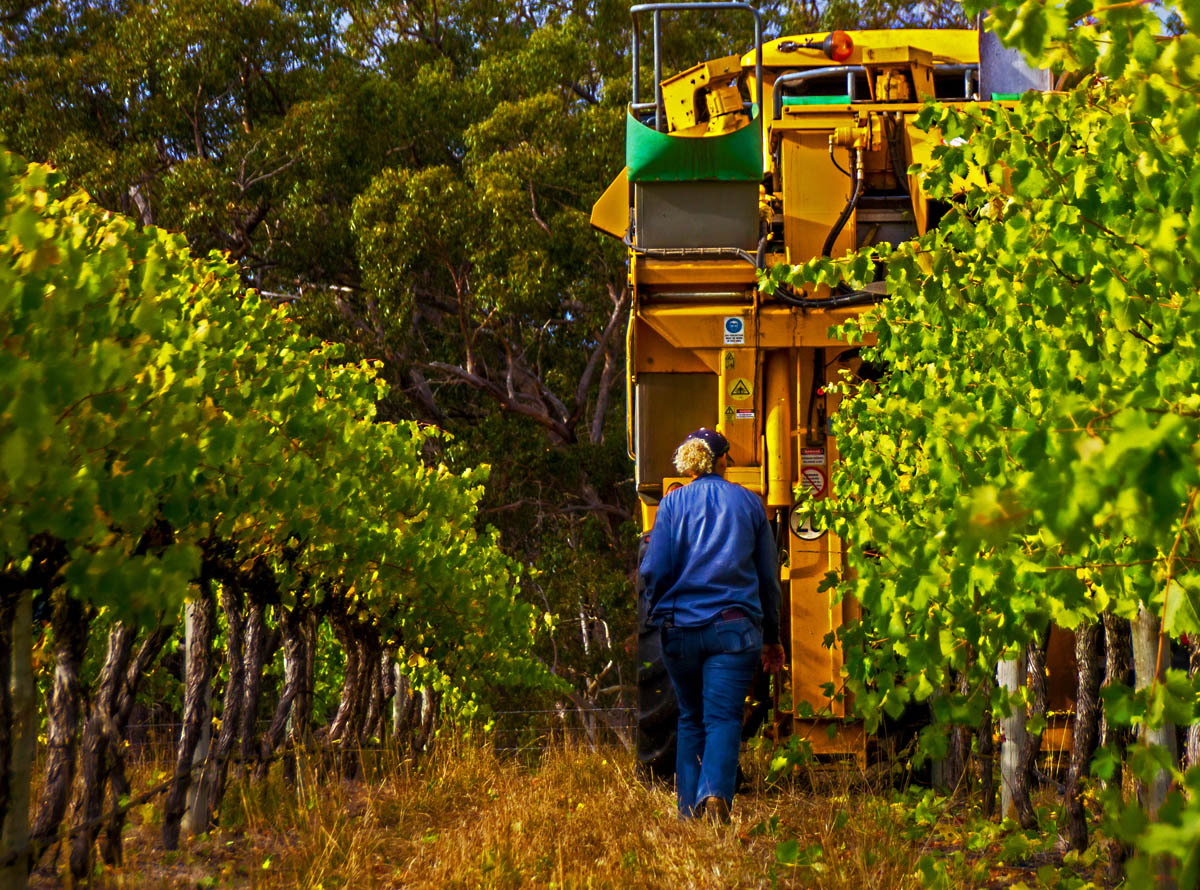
(735, 330)
(813, 480)
(812, 457)
(740, 389)
(745, 414)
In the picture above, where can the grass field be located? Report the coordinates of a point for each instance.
(467, 818)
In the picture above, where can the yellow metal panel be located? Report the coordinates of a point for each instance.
(748, 477)
(654, 353)
(680, 92)
(698, 326)
(689, 275)
(846, 738)
(812, 613)
(812, 618)
(815, 117)
(777, 405)
(782, 326)
(649, 511)
(737, 415)
(946, 45)
(610, 214)
(814, 193)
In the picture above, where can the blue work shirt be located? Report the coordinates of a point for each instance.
(711, 549)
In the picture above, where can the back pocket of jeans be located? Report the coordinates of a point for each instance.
(738, 635)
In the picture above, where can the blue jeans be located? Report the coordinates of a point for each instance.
(711, 668)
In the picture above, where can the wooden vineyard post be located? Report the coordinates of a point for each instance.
(1010, 675)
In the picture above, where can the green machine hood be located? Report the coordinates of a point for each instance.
(661, 157)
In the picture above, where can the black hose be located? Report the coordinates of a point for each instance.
(841, 169)
(896, 152)
(837, 301)
(856, 190)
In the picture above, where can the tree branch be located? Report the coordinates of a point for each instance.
(620, 302)
(535, 411)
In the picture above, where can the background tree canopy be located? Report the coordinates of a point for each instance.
(415, 180)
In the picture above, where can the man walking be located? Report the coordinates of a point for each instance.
(712, 581)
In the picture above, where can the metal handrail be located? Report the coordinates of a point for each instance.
(656, 10)
(967, 70)
(797, 76)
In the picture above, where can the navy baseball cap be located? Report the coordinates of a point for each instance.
(716, 443)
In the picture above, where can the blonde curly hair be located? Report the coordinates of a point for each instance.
(693, 458)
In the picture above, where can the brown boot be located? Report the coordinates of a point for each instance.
(715, 810)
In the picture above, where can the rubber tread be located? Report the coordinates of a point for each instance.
(657, 709)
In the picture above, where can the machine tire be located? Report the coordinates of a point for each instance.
(657, 710)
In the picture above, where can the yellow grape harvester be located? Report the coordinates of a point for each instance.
(798, 148)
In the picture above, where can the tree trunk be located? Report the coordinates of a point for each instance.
(110, 842)
(987, 755)
(1010, 675)
(8, 603)
(430, 702)
(387, 685)
(959, 761)
(295, 664)
(100, 739)
(374, 696)
(368, 660)
(1035, 680)
(1147, 668)
(401, 701)
(1118, 668)
(277, 729)
(15, 851)
(254, 658)
(216, 766)
(69, 620)
(349, 693)
(1086, 729)
(197, 721)
(353, 736)
(118, 782)
(304, 712)
(341, 731)
(1192, 742)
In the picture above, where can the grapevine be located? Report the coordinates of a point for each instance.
(1031, 457)
(170, 442)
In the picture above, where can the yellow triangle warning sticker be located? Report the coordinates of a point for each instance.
(740, 389)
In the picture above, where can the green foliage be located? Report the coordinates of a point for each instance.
(154, 408)
(1032, 455)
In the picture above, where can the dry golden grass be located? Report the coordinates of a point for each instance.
(467, 818)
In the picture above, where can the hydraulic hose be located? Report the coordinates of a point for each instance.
(856, 190)
(837, 301)
(892, 128)
(845, 298)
